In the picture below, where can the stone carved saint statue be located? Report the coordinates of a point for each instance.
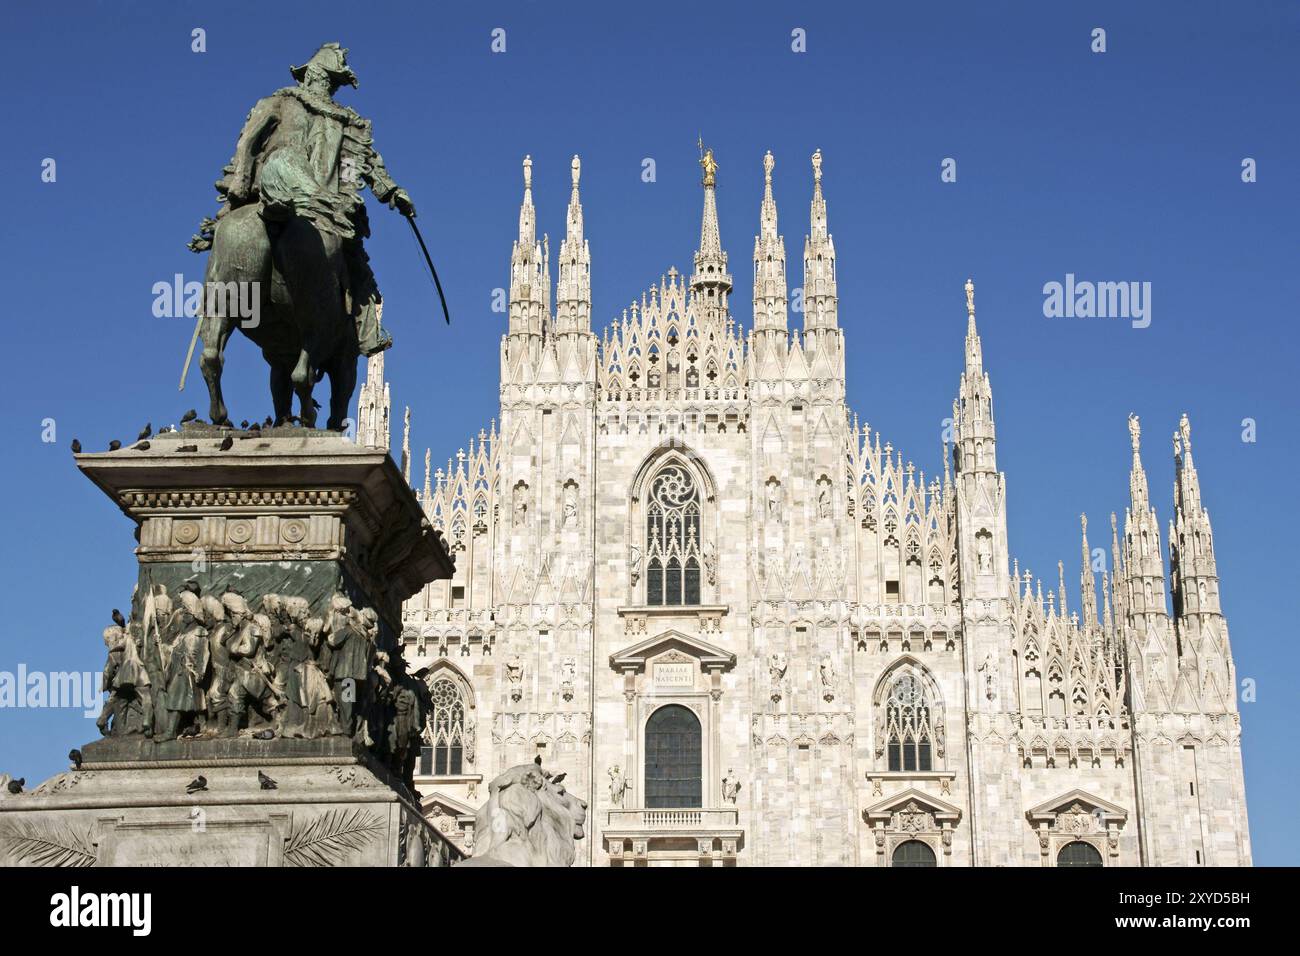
(618, 786)
(730, 787)
(774, 499)
(985, 554)
(634, 564)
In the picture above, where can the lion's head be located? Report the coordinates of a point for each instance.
(529, 820)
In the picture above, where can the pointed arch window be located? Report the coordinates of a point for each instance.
(672, 548)
(446, 753)
(908, 726)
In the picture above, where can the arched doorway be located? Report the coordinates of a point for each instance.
(1078, 853)
(673, 760)
(913, 853)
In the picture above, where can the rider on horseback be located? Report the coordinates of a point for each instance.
(302, 154)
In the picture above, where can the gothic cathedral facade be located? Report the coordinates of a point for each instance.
(751, 634)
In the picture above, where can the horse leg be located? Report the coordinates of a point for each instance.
(281, 391)
(343, 380)
(303, 379)
(216, 332)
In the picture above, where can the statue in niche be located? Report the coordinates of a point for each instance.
(826, 669)
(570, 505)
(774, 499)
(520, 505)
(711, 565)
(730, 787)
(618, 786)
(823, 499)
(634, 564)
(984, 548)
(989, 668)
(568, 674)
(515, 676)
(776, 666)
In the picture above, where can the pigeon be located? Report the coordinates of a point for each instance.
(189, 416)
(227, 443)
(244, 424)
(264, 734)
(16, 786)
(266, 782)
(198, 783)
(166, 430)
(75, 756)
(268, 423)
(118, 619)
(188, 448)
(114, 445)
(145, 432)
(76, 447)
(141, 446)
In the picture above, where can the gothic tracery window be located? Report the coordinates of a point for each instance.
(447, 728)
(673, 538)
(908, 726)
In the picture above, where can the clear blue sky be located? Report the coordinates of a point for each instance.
(1117, 166)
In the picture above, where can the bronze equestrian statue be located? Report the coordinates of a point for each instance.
(291, 225)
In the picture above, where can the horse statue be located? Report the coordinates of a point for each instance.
(286, 244)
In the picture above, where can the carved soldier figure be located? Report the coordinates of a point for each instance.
(352, 654)
(186, 672)
(251, 672)
(110, 718)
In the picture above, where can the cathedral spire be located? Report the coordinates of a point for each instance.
(769, 263)
(1087, 583)
(529, 271)
(821, 297)
(374, 403)
(710, 280)
(573, 291)
(974, 351)
(1144, 567)
(977, 440)
(1193, 568)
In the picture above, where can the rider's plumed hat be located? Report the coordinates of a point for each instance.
(333, 59)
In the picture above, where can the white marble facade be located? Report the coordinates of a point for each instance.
(867, 677)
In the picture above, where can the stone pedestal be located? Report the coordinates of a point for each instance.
(291, 512)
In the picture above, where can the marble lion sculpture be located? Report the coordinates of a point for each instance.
(529, 820)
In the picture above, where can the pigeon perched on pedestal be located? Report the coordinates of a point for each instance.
(118, 619)
(198, 783)
(76, 447)
(266, 782)
(189, 416)
(145, 432)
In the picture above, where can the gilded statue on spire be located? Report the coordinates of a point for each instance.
(710, 167)
(817, 166)
(970, 297)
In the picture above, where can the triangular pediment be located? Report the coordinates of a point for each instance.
(708, 655)
(899, 802)
(1077, 797)
(447, 805)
